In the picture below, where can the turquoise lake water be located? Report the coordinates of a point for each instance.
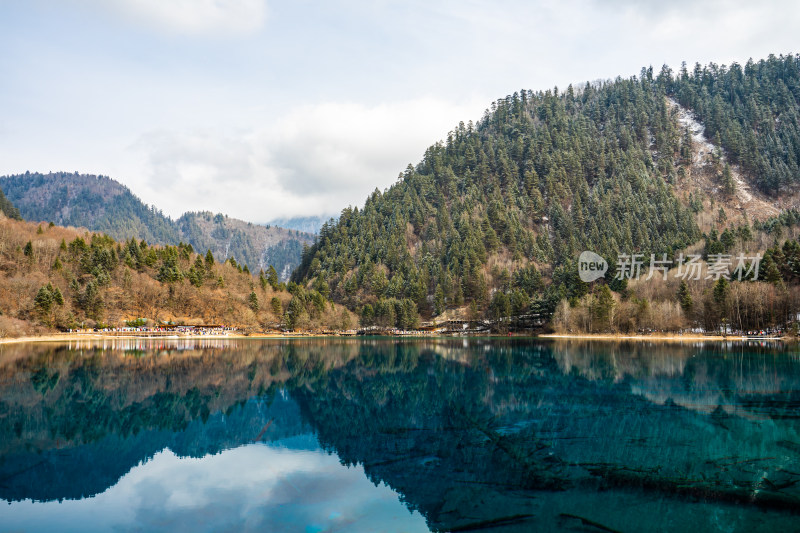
(322, 435)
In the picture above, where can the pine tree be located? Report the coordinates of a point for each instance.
(275, 306)
(685, 298)
(721, 291)
(43, 302)
(602, 308)
(728, 184)
(272, 277)
(252, 301)
(438, 300)
(58, 297)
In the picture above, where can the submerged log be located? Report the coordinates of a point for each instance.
(592, 523)
(495, 522)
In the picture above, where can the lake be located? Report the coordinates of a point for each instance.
(376, 434)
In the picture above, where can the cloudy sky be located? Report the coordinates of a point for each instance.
(263, 109)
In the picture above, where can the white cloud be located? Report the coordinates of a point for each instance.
(334, 146)
(316, 159)
(193, 16)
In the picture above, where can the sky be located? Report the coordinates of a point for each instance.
(262, 109)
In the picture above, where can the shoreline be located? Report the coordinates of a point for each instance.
(69, 337)
(662, 337)
(62, 337)
(613, 337)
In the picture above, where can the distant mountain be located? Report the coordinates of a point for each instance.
(100, 203)
(305, 224)
(255, 245)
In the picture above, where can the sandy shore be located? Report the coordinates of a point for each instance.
(666, 337)
(66, 337)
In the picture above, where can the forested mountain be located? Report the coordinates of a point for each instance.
(53, 277)
(100, 203)
(94, 202)
(496, 215)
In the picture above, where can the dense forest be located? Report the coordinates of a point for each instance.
(60, 278)
(753, 112)
(493, 219)
(100, 203)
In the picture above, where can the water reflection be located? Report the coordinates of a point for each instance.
(249, 488)
(474, 434)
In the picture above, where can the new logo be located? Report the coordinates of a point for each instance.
(591, 267)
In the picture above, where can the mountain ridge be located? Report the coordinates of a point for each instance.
(494, 217)
(100, 203)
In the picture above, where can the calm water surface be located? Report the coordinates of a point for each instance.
(383, 435)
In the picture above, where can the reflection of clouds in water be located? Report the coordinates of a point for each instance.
(252, 488)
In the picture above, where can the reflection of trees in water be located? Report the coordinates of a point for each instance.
(72, 422)
(53, 395)
(83, 394)
(740, 378)
(467, 430)
(519, 420)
